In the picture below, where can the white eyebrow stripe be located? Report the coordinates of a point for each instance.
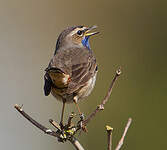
(76, 30)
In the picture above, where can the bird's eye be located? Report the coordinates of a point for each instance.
(79, 32)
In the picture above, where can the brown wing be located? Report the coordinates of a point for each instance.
(82, 71)
(78, 64)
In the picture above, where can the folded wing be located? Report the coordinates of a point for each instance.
(70, 69)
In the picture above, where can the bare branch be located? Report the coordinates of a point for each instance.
(124, 134)
(101, 106)
(76, 144)
(109, 137)
(55, 124)
(70, 119)
(38, 125)
(48, 131)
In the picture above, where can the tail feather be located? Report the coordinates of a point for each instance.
(47, 85)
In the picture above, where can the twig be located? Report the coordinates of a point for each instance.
(109, 137)
(55, 124)
(70, 119)
(38, 125)
(124, 134)
(101, 106)
(48, 131)
(76, 144)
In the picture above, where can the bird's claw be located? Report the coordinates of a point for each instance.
(61, 125)
(81, 124)
(82, 117)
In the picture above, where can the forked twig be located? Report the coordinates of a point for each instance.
(55, 124)
(35, 123)
(48, 131)
(101, 106)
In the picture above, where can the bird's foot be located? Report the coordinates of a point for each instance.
(82, 116)
(81, 125)
(61, 125)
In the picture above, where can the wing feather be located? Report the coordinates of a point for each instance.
(79, 64)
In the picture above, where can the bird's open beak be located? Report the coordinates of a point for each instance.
(88, 33)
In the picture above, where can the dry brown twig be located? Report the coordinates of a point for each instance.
(109, 136)
(106, 98)
(124, 134)
(48, 131)
(68, 132)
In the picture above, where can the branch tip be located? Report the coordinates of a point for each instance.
(130, 120)
(16, 106)
(109, 129)
(50, 120)
(19, 108)
(118, 72)
(124, 134)
(55, 124)
(100, 107)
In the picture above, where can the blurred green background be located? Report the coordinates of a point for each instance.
(133, 36)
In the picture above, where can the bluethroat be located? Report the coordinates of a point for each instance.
(71, 73)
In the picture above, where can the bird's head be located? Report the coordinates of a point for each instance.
(75, 36)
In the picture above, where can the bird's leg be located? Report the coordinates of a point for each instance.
(62, 115)
(75, 101)
(81, 115)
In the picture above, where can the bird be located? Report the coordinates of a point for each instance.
(71, 73)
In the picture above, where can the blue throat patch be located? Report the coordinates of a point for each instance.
(85, 42)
